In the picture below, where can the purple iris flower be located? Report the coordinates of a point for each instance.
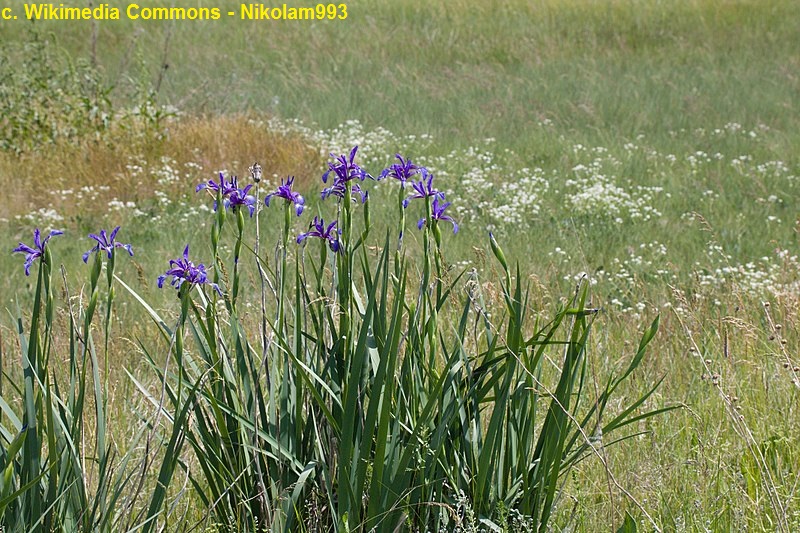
(318, 229)
(184, 270)
(401, 171)
(345, 168)
(226, 187)
(37, 250)
(106, 243)
(240, 198)
(338, 190)
(423, 188)
(437, 213)
(285, 191)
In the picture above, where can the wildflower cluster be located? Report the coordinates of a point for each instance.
(373, 143)
(595, 190)
(106, 243)
(773, 275)
(502, 193)
(342, 172)
(181, 270)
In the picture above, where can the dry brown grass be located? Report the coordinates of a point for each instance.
(231, 142)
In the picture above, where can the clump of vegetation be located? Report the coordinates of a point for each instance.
(52, 99)
(359, 399)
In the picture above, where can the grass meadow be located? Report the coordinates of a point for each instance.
(646, 152)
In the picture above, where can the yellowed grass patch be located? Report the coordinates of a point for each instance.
(32, 180)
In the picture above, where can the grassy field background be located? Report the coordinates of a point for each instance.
(652, 148)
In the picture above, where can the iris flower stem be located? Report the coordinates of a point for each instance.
(109, 314)
(438, 257)
(429, 310)
(263, 277)
(287, 221)
(426, 274)
(345, 262)
(101, 446)
(323, 259)
(344, 271)
(216, 230)
(48, 305)
(32, 446)
(401, 229)
(179, 333)
(88, 345)
(236, 255)
(264, 339)
(367, 224)
(280, 321)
